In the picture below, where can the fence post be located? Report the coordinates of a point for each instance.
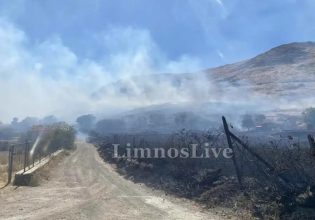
(229, 140)
(25, 156)
(312, 144)
(10, 167)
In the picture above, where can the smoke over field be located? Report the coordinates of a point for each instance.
(47, 76)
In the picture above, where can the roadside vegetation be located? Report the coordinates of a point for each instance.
(38, 141)
(284, 191)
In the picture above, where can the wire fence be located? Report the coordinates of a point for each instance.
(19, 157)
(279, 162)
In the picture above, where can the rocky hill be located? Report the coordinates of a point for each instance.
(285, 70)
(279, 81)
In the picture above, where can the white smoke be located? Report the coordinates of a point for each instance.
(45, 78)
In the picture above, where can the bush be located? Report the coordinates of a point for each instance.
(86, 123)
(53, 137)
(63, 136)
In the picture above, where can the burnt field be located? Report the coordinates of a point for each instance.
(269, 178)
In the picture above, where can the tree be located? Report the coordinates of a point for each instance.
(28, 122)
(52, 137)
(48, 120)
(248, 122)
(86, 122)
(309, 117)
(15, 121)
(7, 132)
(63, 137)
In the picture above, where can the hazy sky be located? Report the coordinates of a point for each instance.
(214, 31)
(55, 53)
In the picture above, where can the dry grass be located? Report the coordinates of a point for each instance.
(3, 157)
(3, 167)
(17, 165)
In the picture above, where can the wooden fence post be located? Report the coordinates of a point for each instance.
(10, 167)
(25, 156)
(229, 140)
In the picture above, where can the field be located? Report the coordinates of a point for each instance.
(17, 165)
(274, 192)
(3, 167)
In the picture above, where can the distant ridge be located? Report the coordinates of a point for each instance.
(283, 70)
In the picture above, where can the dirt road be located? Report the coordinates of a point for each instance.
(82, 186)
